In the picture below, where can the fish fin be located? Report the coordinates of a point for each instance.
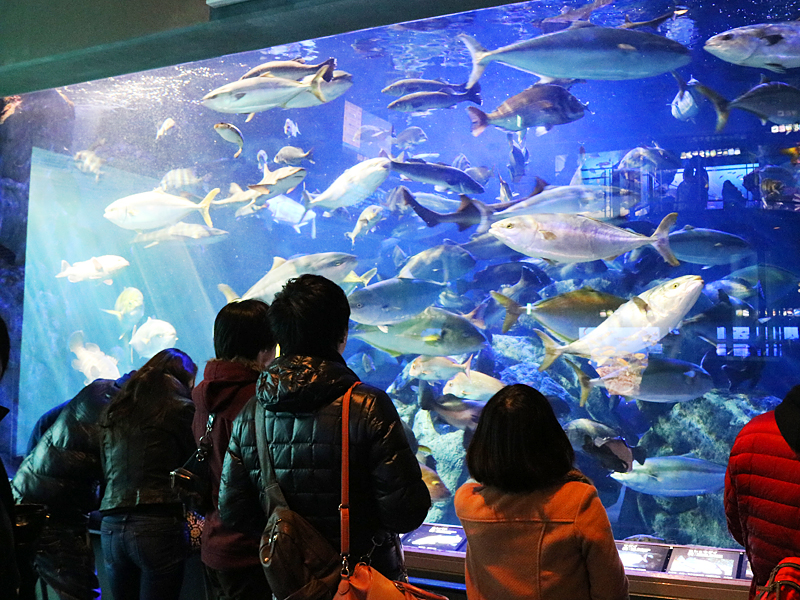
(721, 105)
(479, 119)
(548, 235)
(639, 454)
(203, 206)
(641, 304)
(64, 267)
(478, 53)
(277, 261)
(383, 328)
(541, 130)
(352, 237)
(238, 153)
(116, 313)
(467, 365)
(776, 67)
(551, 351)
(661, 239)
(108, 281)
(315, 83)
(250, 117)
(228, 292)
(583, 381)
(513, 310)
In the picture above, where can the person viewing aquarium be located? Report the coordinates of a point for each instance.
(535, 526)
(147, 432)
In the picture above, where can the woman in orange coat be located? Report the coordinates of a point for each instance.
(535, 526)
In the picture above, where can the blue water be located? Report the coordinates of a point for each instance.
(118, 119)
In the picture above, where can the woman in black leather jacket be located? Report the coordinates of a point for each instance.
(301, 392)
(147, 432)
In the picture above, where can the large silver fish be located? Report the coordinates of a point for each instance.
(567, 238)
(444, 177)
(584, 52)
(97, 267)
(773, 46)
(420, 102)
(341, 82)
(540, 106)
(565, 199)
(264, 92)
(392, 300)
(674, 476)
(353, 186)
(635, 326)
(91, 361)
(153, 337)
(185, 233)
(686, 104)
(442, 264)
(292, 69)
(775, 102)
(336, 266)
(155, 209)
(708, 246)
(433, 332)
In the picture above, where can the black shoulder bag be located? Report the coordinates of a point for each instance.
(192, 481)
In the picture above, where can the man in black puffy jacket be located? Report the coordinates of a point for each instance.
(301, 393)
(63, 472)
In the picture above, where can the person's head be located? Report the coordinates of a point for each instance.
(519, 444)
(5, 347)
(242, 332)
(310, 316)
(144, 397)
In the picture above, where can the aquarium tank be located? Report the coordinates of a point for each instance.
(600, 201)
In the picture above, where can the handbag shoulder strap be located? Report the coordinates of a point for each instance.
(271, 494)
(344, 507)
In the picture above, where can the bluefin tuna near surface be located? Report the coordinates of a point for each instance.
(584, 51)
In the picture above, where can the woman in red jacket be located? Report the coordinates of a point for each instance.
(762, 488)
(243, 345)
(535, 526)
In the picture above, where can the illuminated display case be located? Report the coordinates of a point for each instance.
(143, 202)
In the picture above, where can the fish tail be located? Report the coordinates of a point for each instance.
(468, 365)
(307, 199)
(116, 313)
(477, 52)
(551, 351)
(469, 209)
(75, 341)
(229, 294)
(316, 81)
(64, 267)
(583, 381)
(330, 67)
(721, 105)
(205, 204)
(474, 94)
(431, 218)
(513, 310)
(238, 152)
(352, 237)
(661, 241)
(479, 120)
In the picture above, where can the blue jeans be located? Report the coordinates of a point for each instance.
(144, 555)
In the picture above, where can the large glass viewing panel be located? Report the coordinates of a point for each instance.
(621, 233)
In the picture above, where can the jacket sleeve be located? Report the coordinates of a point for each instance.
(239, 489)
(402, 496)
(607, 580)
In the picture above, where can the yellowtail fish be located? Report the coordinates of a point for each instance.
(438, 368)
(230, 133)
(351, 187)
(392, 300)
(775, 102)
(155, 209)
(565, 315)
(292, 69)
(475, 386)
(774, 46)
(566, 238)
(91, 361)
(168, 124)
(367, 220)
(129, 308)
(635, 326)
(97, 267)
(184, 233)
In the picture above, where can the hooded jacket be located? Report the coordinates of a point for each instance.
(762, 488)
(226, 388)
(302, 398)
(553, 543)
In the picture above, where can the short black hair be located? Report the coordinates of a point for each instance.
(519, 445)
(241, 330)
(309, 316)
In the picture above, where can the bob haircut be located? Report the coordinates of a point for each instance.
(241, 330)
(143, 396)
(519, 445)
(309, 316)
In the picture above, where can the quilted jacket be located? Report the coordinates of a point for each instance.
(762, 488)
(63, 470)
(302, 397)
